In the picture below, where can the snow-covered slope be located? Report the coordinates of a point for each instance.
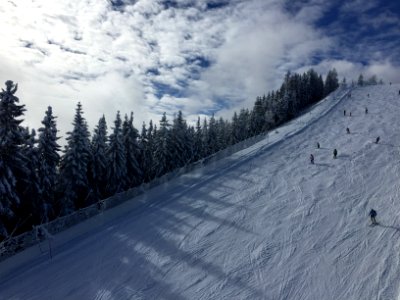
(261, 224)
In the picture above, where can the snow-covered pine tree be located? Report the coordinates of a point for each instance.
(98, 162)
(244, 124)
(132, 152)
(257, 117)
(212, 141)
(313, 87)
(32, 205)
(204, 137)
(49, 160)
(331, 82)
(191, 134)
(74, 165)
(360, 80)
(147, 144)
(163, 154)
(344, 82)
(222, 134)
(12, 159)
(373, 80)
(235, 133)
(180, 142)
(116, 156)
(198, 142)
(320, 89)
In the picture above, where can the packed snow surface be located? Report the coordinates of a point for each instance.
(263, 223)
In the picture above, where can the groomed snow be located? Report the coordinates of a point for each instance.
(261, 224)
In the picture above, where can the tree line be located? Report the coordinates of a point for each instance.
(40, 182)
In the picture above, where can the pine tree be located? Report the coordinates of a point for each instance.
(191, 137)
(204, 137)
(257, 117)
(49, 160)
(373, 80)
(116, 156)
(180, 142)
(98, 161)
(12, 160)
(212, 140)
(132, 152)
(222, 134)
(198, 142)
(163, 155)
(331, 82)
(147, 146)
(74, 165)
(32, 205)
(360, 80)
(244, 124)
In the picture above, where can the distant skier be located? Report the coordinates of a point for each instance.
(348, 130)
(366, 110)
(372, 214)
(318, 146)
(350, 114)
(334, 153)
(399, 92)
(344, 112)
(368, 95)
(311, 159)
(377, 140)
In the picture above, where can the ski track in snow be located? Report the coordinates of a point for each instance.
(262, 223)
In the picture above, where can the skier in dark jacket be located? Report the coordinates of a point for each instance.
(372, 214)
(348, 130)
(366, 110)
(318, 145)
(311, 159)
(344, 112)
(377, 140)
(334, 153)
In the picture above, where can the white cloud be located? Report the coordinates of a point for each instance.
(382, 69)
(65, 51)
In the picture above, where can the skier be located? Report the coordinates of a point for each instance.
(348, 130)
(344, 112)
(318, 145)
(377, 140)
(334, 153)
(366, 110)
(372, 214)
(350, 114)
(311, 159)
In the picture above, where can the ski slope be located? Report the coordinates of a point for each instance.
(260, 224)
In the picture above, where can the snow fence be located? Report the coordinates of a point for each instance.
(40, 233)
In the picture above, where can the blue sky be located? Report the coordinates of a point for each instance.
(202, 57)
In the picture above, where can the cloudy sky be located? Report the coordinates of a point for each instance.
(198, 56)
